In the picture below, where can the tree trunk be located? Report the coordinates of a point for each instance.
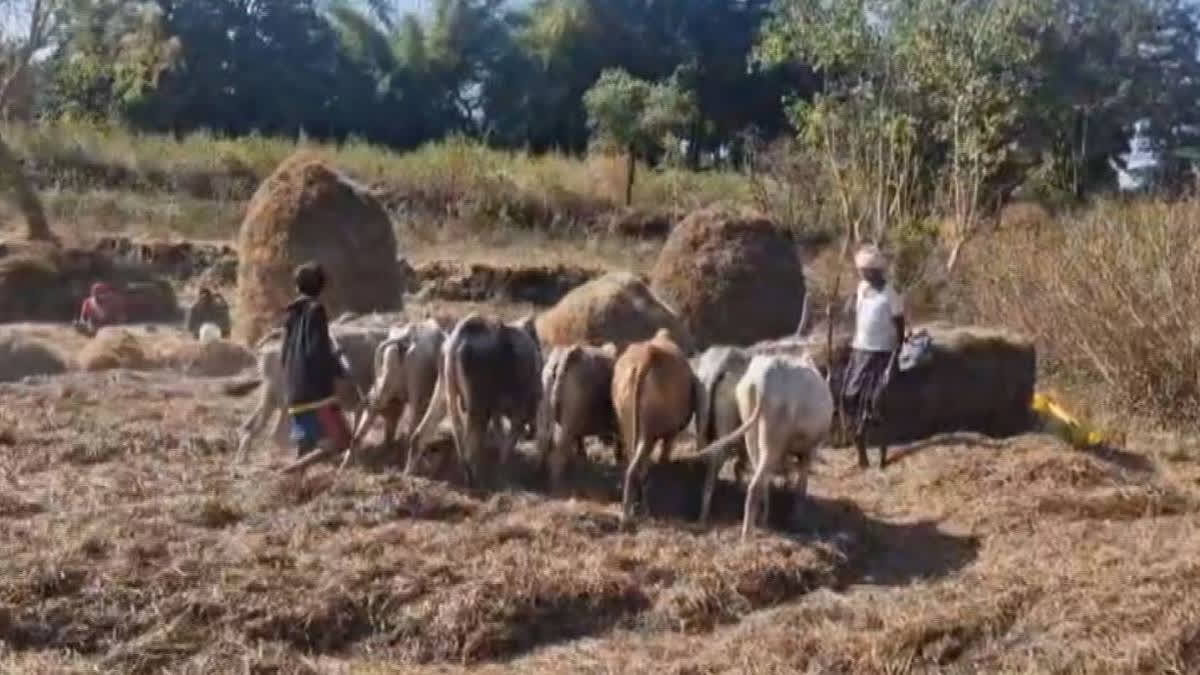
(37, 228)
(630, 168)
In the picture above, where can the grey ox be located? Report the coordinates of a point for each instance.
(488, 370)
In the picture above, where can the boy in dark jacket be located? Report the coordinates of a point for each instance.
(311, 365)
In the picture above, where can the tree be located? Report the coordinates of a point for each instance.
(41, 19)
(994, 93)
(635, 115)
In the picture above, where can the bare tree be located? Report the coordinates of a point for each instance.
(41, 17)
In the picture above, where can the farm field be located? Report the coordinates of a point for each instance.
(134, 546)
(1024, 173)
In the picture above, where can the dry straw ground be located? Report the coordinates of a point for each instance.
(132, 547)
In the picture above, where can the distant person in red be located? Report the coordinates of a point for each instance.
(104, 307)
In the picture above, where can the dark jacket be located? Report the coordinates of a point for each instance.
(309, 362)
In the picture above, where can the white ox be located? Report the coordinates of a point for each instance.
(357, 344)
(787, 409)
(406, 373)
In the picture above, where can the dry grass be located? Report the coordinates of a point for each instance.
(134, 547)
(132, 348)
(1123, 285)
(452, 181)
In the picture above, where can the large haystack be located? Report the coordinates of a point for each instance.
(308, 211)
(977, 379)
(617, 307)
(733, 275)
(24, 355)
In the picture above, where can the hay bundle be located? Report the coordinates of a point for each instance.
(617, 307)
(24, 355)
(733, 275)
(978, 379)
(114, 348)
(211, 358)
(308, 211)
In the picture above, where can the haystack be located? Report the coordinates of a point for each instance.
(617, 307)
(977, 379)
(23, 355)
(733, 275)
(216, 358)
(113, 348)
(307, 210)
(43, 283)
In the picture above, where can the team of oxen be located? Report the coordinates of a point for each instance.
(761, 404)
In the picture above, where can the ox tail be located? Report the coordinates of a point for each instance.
(461, 390)
(548, 406)
(639, 375)
(241, 388)
(571, 356)
(720, 444)
(706, 395)
(432, 413)
(802, 328)
(458, 402)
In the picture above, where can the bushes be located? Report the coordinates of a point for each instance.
(1111, 294)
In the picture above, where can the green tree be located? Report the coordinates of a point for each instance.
(634, 115)
(137, 50)
(995, 93)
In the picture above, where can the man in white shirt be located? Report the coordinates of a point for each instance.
(878, 334)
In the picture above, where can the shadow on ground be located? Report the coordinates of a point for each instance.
(880, 552)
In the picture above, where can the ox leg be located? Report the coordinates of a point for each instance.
(559, 459)
(255, 423)
(755, 490)
(423, 433)
(644, 476)
(804, 454)
(668, 445)
(473, 440)
(710, 483)
(391, 422)
(754, 495)
(618, 444)
(508, 443)
(641, 450)
(282, 432)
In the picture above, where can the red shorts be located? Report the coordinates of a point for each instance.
(325, 423)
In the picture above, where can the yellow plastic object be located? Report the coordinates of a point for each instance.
(1058, 421)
